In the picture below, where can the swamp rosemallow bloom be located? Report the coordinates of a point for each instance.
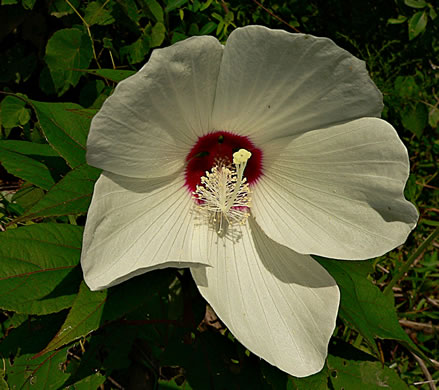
(239, 161)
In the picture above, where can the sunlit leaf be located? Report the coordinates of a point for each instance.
(158, 34)
(415, 3)
(363, 306)
(400, 19)
(370, 375)
(71, 195)
(13, 112)
(65, 126)
(417, 24)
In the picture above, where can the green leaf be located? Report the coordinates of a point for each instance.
(317, 381)
(36, 276)
(111, 74)
(415, 3)
(174, 4)
(93, 308)
(417, 24)
(400, 19)
(28, 4)
(65, 126)
(137, 51)
(13, 112)
(363, 306)
(67, 50)
(27, 196)
(156, 10)
(43, 373)
(208, 28)
(96, 13)
(352, 374)
(91, 382)
(406, 86)
(433, 117)
(23, 371)
(71, 195)
(205, 5)
(26, 168)
(415, 118)
(158, 34)
(60, 8)
(28, 148)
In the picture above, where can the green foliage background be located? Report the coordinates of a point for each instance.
(60, 59)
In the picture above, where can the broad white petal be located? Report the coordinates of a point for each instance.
(134, 226)
(273, 83)
(147, 127)
(337, 192)
(279, 304)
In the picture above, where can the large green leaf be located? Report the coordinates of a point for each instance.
(68, 50)
(65, 126)
(26, 168)
(37, 275)
(93, 308)
(71, 195)
(363, 306)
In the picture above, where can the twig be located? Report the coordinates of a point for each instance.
(426, 328)
(275, 16)
(426, 372)
(88, 30)
(115, 383)
(406, 266)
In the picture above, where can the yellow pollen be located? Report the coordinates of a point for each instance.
(224, 194)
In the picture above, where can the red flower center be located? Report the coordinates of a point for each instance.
(220, 145)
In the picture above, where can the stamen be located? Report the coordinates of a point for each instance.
(224, 194)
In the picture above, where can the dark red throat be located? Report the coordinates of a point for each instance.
(220, 145)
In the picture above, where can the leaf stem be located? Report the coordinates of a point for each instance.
(406, 266)
(88, 31)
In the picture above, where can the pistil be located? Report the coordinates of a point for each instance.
(224, 194)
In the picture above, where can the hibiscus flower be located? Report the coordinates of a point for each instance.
(240, 161)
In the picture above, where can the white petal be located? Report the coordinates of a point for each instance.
(134, 226)
(279, 304)
(338, 192)
(273, 83)
(147, 127)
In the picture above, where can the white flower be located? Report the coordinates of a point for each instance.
(318, 173)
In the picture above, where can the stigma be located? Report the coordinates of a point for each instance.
(223, 194)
